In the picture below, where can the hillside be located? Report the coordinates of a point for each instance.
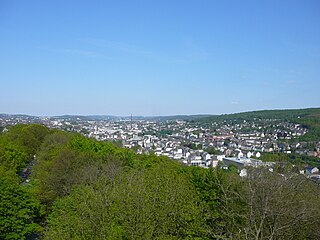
(309, 118)
(286, 114)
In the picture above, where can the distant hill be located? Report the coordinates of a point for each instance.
(111, 117)
(179, 117)
(87, 118)
(4, 115)
(308, 117)
(287, 114)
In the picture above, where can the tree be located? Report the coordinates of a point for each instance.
(151, 203)
(220, 190)
(212, 150)
(28, 137)
(18, 210)
(281, 206)
(13, 157)
(264, 205)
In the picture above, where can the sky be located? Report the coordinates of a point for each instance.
(155, 58)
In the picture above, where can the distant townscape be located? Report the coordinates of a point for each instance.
(239, 140)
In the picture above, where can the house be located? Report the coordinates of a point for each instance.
(214, 163)
(220, 157)
(198, 162)
(311, 170)
(243, 172)
(243, 162)
(315, 178)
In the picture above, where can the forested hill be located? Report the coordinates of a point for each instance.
(59, 185)
(288, 114)
(308, 118)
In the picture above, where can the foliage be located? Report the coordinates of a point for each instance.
(279, 208)
(313, 124)
(220, 191)
(292, 158)
(13, 157)
(27, 136)
(156, 203)
(18, 210)
(19, 144)
(193, 146)
(266, 114)
(164, 132)
(212, 150)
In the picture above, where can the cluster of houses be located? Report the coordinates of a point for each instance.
(195, 144)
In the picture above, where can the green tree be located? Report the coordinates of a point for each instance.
(212, 150)
(154, 203)
(220, 190)
(18, 210)
(29, 137)
(13, 157)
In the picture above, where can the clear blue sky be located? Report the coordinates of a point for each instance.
(158, 57)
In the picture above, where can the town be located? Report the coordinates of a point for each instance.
(239, 143)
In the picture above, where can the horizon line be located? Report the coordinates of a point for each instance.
(153, 116)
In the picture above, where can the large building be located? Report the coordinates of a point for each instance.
(245, 161)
